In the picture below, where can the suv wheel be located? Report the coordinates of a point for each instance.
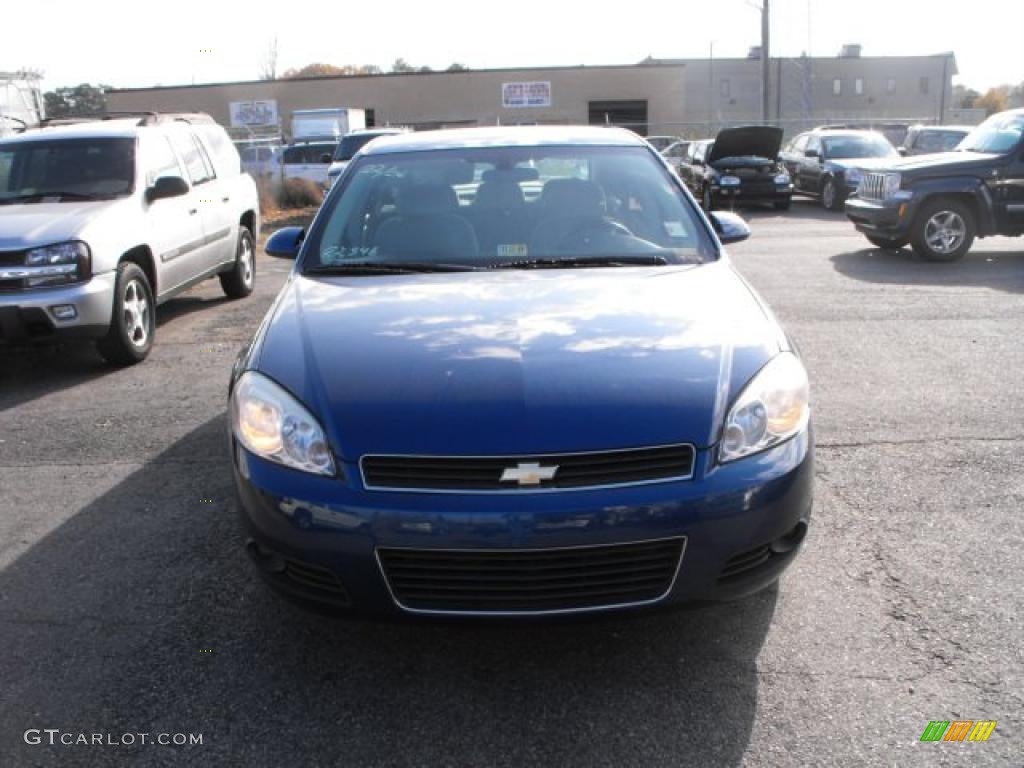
(830, 195)
(238, 283)
(943, 230)
(707, 200)
(132, 323)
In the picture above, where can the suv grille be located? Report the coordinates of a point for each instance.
(531, 580)
(872, 186)
(483, 474)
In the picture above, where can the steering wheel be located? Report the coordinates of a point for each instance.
(586, 230)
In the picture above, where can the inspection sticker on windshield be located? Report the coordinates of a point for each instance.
(512, 249)
(674, 228)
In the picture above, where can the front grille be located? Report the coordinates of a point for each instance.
(484, 474)
(872, 186)
(315, 581)
(531, 580)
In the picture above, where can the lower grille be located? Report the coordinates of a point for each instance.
(316, 581)
(529, 581)
(556, 471)
(745, 561)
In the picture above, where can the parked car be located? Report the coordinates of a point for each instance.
(352, 143)
(510, 408)
(676, 152)
(101, 220)
(829, 163)
(739, 166)
(660, 143)
(308, 160)
(932, 139)
(261, 161)
(940, 203)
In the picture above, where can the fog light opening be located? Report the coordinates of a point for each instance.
(791, 540)
(267, 559)
(64, 311)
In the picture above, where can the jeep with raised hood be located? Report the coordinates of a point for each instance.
(104, 217)
(940, 203)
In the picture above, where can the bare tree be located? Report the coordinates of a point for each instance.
(268, 64)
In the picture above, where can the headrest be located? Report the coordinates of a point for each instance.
(572, 197)
(426, 198)
(504, 193)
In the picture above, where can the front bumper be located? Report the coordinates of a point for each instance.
(884, 218)
(28, 315)
(740, 196)
(315, 539)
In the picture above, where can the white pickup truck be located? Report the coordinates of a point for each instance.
(103, 219)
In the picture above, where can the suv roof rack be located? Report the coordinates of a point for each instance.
(145, 117)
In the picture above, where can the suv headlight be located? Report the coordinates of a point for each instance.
(782, 178)
(59, 264)
(771, 409)
(274, 425)
(891, 185)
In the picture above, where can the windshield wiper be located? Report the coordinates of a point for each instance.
(584, 261)
(386, 268)
(37, 196)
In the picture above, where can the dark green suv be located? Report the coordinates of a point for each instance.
(940, 203)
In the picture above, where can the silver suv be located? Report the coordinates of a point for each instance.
(103, 219)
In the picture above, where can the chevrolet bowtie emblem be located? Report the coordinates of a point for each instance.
(528, 474)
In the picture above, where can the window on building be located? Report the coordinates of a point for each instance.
(858, 86)
(724, 89)
(924, 85)
(837, 87)
(890, 85)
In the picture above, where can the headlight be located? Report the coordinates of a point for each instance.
(58, 264)
(891, 185)
(729, 181)
(782, 178)
(772, 408)
(274, 425)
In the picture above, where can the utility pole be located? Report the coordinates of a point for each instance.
(766, 82)
(711, 85)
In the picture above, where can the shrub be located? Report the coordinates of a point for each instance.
(299, 193)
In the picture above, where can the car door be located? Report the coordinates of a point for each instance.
(219, 220)
(811, 164)
(1009, 193)
(174, 224)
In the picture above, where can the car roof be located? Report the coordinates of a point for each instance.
(500, 136)
(107, 129)
(828, 132)
(943, 128)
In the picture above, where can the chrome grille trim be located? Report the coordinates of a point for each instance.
(539, 612)
(872, 186)
(515, 459)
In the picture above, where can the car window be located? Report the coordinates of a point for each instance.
(813, 142)
(97, 166)
(938, 141)
(1000, 133)
(799, 144)
(857, 146)
(192, 156)
(160, 160)
(482, 207)
(221, 150)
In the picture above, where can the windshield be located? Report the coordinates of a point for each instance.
(353, 143)
(855, 147)
(506, 206)
(307, 154)
(67, 168)
(998, 134)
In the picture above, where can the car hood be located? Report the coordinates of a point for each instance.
(28, 225)
(861, 163)
(518, 362)
(747, 141)
(944, 162)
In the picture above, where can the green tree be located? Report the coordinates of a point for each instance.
(965, 97)
(456, 67)
(84, 99)
(401, 65)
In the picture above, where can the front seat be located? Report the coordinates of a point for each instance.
(426, 225)
(567, 206)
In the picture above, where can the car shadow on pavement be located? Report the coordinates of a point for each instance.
(30, 372)
(181, 306)
(140, 614)
(1000, 270)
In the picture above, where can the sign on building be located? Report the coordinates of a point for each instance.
(253, 113)
(536, 94)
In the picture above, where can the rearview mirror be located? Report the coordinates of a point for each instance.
(285, 243)
(729, 227)
(167, 186)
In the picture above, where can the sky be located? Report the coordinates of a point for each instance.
(135, 44)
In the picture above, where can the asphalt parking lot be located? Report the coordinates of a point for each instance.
(127, 604)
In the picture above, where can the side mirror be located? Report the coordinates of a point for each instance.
(729, 227)
(812, 153)
(902, 151)
(285, 243)
(325, 157)
(167, 186)
(698, 161)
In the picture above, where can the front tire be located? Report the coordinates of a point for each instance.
(943, 230)
(783, 205)
(133, 321)
(707, 200)
(239, 282)
(830, 197)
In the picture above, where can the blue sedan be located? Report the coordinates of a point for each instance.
(514, 373)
